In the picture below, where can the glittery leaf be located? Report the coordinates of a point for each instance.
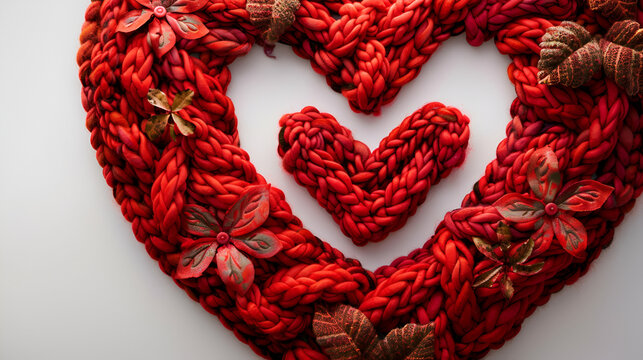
(195, 260)
(185, 127)
(343, 332)
(158, 98)
(235, 269)
(615, 10)
(584, 195)
(543, 174)
(187, 26)
(160, 37)
(186, 6)
(527, 270)
(260, 12)
(155, 126)
(283, 15)
(519, 208)
(133, 20)
(503, 232)
(507, 287)
(522, 253)
(182, 99)
(569, 56)
(259, 244)
(571, 234)
(485, 248)
(412, 342)
(487, 278)
(249, 212)
(200, 222)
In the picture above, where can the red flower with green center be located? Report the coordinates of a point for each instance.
(169, 18)
(240, 230)
(553, 210)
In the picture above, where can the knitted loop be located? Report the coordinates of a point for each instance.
(367, 50)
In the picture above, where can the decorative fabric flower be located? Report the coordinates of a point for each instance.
(345, 333)
(553, 210)
(510, 260)
(171, 18)
(238, 231)
(156, 125)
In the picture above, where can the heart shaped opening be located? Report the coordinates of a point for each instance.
(454, 78)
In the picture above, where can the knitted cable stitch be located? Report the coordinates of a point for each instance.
(367, 50)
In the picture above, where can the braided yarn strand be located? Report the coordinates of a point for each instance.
(367, 50)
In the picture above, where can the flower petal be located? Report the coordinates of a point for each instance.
(507, 287)
(155, 126)
(522, 253)
(200, 222)
(485, 248)
(571, 234)
(584, 195)
(487, 278)
(249, 212)
(261, 244)
(147, 3)
(133, 20)
(187, 26)
(195, 260)
(519, 208)
(543, 175)
(161, 37)
(528, 270)
(158, 98)
(187, 6)
(235, 269)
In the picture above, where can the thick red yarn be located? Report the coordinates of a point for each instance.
(367, 50)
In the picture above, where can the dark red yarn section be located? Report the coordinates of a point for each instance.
(368, 51)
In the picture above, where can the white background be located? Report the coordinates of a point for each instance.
(75, 284)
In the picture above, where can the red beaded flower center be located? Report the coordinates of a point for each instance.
(551, 209)
(160, 11)
(223, 238)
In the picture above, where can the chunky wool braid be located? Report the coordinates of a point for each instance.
(368, 51)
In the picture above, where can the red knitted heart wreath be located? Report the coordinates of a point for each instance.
(246, 258)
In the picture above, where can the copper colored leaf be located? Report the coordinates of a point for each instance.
(507, 287)
(235, 269)
(568, 56)
(160, 37)
(155, 126)
(343, 332)
(187, 26)
(615, 9)
(133, 20)
(543, 174)
(282, 17)
(522, 253)
(185, 127)
(487, 278)
(200, 222)
(624, 66)
(186, 6)
(249, 212)
(571, 234)
(527, 270)
(584, 195)
(627, 33)
(158, 98)
(182, 99)
(485, 248)
(412, 342)
(519, 208)
(259, 244)
(503, 232)
(195, 260)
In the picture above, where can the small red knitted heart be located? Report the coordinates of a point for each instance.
(473, 283)
(373, 193)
